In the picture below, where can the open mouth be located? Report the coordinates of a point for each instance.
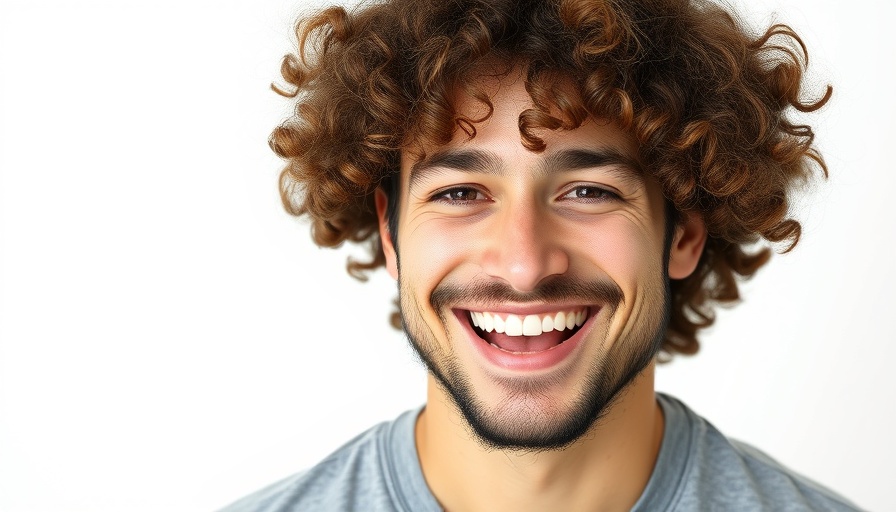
(520, 334)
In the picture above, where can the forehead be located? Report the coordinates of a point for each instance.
(496, 131)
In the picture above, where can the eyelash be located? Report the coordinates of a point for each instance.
(443, 196)
(602, 193)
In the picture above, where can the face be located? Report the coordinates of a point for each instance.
(533, 285)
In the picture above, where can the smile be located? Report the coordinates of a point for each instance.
(526, 335)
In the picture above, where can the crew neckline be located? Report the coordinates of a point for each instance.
(410, 492)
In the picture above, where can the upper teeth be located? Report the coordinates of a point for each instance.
(528, 325)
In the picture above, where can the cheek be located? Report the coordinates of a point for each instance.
(430, 251)
(624, 250)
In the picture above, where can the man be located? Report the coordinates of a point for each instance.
(563, 190)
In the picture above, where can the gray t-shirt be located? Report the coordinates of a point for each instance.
(698, 468)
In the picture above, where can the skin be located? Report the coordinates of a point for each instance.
(513, 225)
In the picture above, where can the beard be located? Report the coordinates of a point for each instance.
(528, 413)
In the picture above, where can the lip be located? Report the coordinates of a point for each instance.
(527, 309)
(518, 362)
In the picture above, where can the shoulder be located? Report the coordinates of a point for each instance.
(354, 477)
(725, 474)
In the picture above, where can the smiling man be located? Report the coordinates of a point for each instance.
(533, 284)
(563, 190)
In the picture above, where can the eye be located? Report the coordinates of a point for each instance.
(459, 195)
(590, 193)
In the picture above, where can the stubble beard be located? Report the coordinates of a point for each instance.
(530, 416)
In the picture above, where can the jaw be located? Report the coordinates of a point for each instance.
(532, 400)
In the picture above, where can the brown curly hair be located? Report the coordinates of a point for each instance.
(706, 101)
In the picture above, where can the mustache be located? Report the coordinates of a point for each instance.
(557, 289)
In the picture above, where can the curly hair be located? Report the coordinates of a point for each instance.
(706, 100)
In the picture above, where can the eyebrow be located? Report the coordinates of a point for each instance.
(478, 161)
(624, 167)
(466, 160)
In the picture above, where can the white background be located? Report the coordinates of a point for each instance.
(170, 339)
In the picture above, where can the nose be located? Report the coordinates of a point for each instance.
(524, 248)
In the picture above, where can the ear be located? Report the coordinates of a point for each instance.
(687, 245)
(386, 240)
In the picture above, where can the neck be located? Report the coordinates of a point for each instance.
(606, 469)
